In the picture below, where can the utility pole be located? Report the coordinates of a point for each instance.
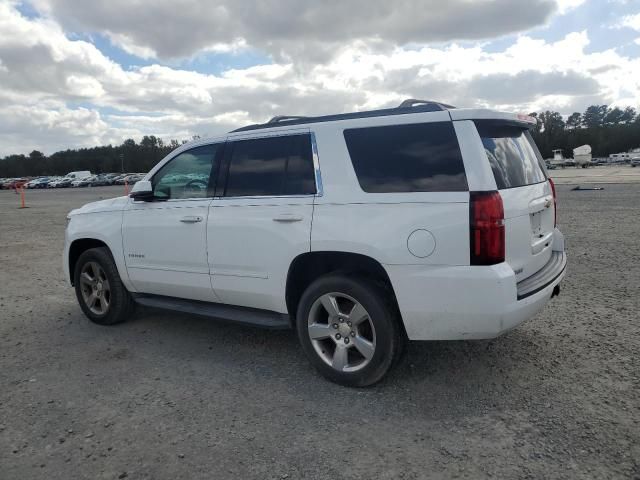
(122, 162)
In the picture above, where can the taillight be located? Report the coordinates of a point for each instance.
(555, 203)
(486, 224)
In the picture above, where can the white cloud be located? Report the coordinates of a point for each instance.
(45, 75)
(565, 6)
(631, 21)
(291, 28)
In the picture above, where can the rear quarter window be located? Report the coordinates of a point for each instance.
(513, 155)
(422, 157)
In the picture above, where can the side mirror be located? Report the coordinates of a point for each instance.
(142, 190)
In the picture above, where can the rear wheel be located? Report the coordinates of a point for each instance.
(100, 292)
(348, 329)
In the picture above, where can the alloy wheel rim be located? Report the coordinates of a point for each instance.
(341, 332)
(95, 288)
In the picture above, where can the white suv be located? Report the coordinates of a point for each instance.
(359, 230)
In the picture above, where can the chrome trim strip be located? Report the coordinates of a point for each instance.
(316, 166)
(262, 197)
(276, 133)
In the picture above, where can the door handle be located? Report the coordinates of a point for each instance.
(191, 219)
(287, 218)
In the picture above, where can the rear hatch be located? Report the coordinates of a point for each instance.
(522, 182)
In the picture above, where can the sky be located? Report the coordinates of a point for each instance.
(77, 73)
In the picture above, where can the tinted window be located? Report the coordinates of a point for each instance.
(187, 175)
(271, 166)
(422, 157)
(513, 156)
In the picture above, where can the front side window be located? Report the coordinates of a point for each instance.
(187, 175)
(271, 166)
(421, 157)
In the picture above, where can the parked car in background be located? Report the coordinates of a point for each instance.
(97, 181)
(129, 179)
(635, 162)
(15, 183)
(81, 182)
(120, 179)
(43, 182)
(356, 230)
(52, 180)
(62, 182)
(34, 183)
(110, 178)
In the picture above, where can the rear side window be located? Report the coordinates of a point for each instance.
(271, 166)
(421, 157)
(513, 155)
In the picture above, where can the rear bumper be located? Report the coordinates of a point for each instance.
(464, 303)
(543, 278)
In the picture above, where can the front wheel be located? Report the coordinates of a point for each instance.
(99, 289)
(348, 329)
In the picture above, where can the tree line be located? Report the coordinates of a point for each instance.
(127, 157)
(607, 130)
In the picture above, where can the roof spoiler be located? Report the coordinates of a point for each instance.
(492, 115)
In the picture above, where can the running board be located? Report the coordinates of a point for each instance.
(230, 313)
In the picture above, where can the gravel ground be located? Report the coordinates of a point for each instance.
(600, 175)
(170, 396)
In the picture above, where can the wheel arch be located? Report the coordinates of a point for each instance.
(78, 247)
(307, 267)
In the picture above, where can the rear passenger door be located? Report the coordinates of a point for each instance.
(260, 218)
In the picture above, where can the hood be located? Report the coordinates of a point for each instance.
(108, 205)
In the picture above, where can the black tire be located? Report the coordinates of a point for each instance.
(120, 305)
(382, 319)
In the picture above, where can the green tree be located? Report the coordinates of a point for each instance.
(574, 120)
(594, 116)
(628, 115)
(614, 116)
(552, 122)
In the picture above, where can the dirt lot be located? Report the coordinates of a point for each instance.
(601, 174)
(168, 396)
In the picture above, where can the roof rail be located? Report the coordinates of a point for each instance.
(412, 102)
(409, 106)
(285, 118)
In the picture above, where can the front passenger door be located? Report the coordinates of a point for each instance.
(165, 240)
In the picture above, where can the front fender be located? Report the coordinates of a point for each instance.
(105, 227)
